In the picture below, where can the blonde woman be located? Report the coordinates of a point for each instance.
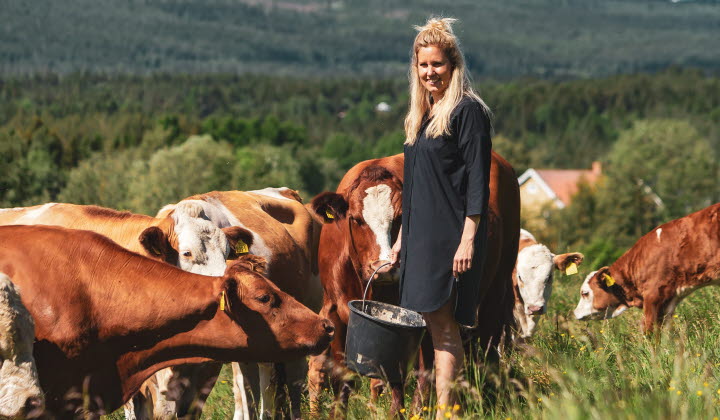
(445, 197)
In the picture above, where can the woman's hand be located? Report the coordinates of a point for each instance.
(463, 257)
(464, 254)
(395, 251)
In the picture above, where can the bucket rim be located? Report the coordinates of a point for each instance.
(382, 321)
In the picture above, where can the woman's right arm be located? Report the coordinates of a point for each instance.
(395, 251)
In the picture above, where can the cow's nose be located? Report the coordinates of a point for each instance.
(33, 406)
(382, 266)
(535, 310)
(328, 327)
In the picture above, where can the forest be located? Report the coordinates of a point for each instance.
(311, 38)
(140, 142)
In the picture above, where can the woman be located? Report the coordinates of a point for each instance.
(445, 195)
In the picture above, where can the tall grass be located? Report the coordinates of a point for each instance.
(576, 370)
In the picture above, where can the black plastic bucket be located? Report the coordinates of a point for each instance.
(382, 339)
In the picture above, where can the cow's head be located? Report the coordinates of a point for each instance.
(600, 297)
(187, 239)
(278, 326)
(20, 393)
(369, 213)
(535, 269)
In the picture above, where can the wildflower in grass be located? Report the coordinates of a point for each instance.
(705, 384)
(672, 388)
(456, 407)
(675, 316)
(679, 392)
(572, 336)
(402, 410)
(415, 417)
(562, 335)
(602, 331)
(565, 373)
(699, 393)
(582, 348)
(442, 406)
(539, 400)
(718, 391)
(426, 409)
(448, 414)
(697, 354)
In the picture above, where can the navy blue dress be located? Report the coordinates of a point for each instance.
(445, 179)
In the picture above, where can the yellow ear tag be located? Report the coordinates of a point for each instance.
(155, 251)
(609, 281)
(222, 301)
(571, 269)
(241, 247)
(329, 215)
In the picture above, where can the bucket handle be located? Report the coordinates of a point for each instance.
(370, 281)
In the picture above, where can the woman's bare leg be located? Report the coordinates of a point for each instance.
(449, 353)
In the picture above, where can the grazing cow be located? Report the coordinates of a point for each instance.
(285, 233)
(362, 222)
(107, 318)
(20, 393)
(659, 271)
(533, 277)
(182, 237)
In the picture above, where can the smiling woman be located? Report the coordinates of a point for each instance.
(445, 197)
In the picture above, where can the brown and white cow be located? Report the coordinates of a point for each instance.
(533, 278)
(106, 318)
(362, 222)
(659, 271)
(182, 237)
(20, 393)
(285, 233)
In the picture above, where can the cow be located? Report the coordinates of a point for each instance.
(182, 237)
(285, 233)
(107, 318)
(20, 393)
(658, 272)
(362, 221)
(533, 277)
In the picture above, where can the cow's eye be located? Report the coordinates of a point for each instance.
(263, 299)
(585, 294)
(187, 254)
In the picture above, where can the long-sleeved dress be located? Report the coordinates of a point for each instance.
(445, 180)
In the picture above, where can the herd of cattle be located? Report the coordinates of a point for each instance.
(100, 308)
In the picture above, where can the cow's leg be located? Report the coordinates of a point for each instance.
(295, 374)
(426, 356)
(268, 390)
(245, 387)
(377, 387)
(651, 312)
(317, 377)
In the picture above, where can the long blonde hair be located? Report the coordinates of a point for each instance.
(437, 32)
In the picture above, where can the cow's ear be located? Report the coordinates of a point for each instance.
(239, 240)
(563, 262)
(604, 278)
(157, 245)
(329, 206)
(250, 262)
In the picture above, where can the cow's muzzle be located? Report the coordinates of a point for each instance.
(384, 272)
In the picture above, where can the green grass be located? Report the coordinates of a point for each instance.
(577, 370)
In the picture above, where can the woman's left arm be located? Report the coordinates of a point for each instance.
(464, 255)
(473, 130)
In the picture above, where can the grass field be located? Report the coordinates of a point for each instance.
(578, 370)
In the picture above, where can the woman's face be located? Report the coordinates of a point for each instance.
(434, 70)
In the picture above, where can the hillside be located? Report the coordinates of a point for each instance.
(542, 38)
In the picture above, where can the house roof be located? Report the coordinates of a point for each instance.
(562, 184)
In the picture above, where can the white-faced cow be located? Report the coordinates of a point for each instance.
(20, 393)
(183, 237)
(533, 278)
(362, 222)
(659, 271)
(107, 318)
(285, 233)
